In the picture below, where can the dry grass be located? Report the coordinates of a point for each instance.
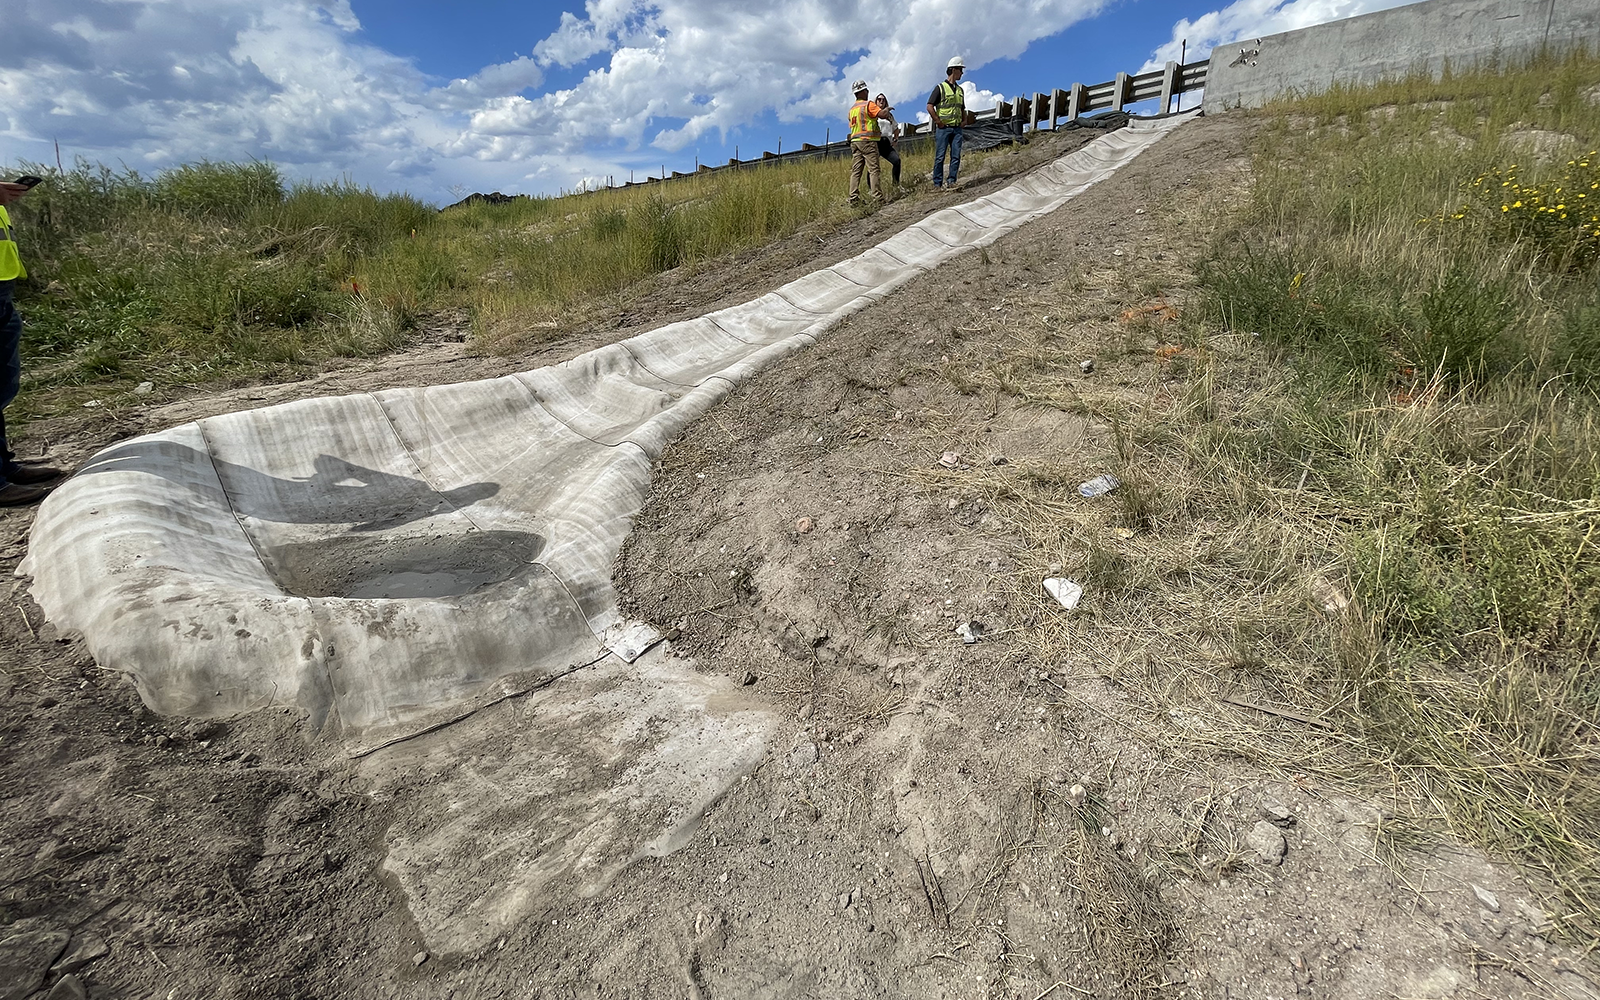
(1324, 561)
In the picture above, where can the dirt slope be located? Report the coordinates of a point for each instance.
(934, 819)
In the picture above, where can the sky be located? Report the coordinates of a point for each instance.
(534, 97)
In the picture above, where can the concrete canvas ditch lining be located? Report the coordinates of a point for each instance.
(389, 559)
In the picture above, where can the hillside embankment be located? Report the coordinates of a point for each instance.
(1210, 779)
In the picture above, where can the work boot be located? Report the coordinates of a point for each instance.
(33, 475)
(14, 495)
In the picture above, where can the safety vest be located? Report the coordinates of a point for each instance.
(952, 105)
(864, 121)
(10, 263)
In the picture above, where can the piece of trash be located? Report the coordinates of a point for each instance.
(1099, 485)
(1066, 593)
(144, 388)
(1327, 595)
(1086, 365)
(1168, 352)
(970, 632)
(950, 460)
(1116, 253)
(92, 404)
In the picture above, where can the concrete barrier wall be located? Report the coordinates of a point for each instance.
(1393, 43)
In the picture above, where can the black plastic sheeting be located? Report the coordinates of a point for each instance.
(989, 134)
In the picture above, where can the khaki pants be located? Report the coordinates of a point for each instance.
(864, 153)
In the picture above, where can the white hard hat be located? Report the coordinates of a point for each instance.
(955, 63)
(858, 86)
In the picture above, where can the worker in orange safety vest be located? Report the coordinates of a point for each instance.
(864, 136)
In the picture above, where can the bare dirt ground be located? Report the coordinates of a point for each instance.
(932, 819)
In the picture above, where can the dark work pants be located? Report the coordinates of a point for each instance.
(887, 151)
(10, 366)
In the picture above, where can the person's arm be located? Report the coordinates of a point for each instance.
(10, 192)
(933, 108)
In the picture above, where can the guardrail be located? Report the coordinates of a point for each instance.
(1024, 113)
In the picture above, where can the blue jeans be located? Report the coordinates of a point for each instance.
(946, 138)
(10, 366)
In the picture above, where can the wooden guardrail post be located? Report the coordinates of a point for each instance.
(1079, 102)
(1039, 104)
(1058, 105)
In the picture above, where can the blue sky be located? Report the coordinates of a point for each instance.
(482, 95)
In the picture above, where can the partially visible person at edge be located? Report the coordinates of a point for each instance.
(864, 136)
(19, 484)
(947, 110)
(889, 144)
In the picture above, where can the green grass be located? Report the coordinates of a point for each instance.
(1439, 426)
(1361, 471)
(221, 272)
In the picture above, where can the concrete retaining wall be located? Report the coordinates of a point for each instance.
(1393, 43)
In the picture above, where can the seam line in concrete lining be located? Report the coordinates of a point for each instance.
(728, 329)
(809, 312)
(233, 509)
(416, 466)
(635, 357)
(836, 269)
(554, 416)
(940, 239)
(577, 605)
(894, 256)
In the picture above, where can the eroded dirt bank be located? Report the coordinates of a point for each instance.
(932, 818)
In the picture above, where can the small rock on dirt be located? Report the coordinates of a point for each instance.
(1490, 901)
(1267, 841)
(419, 958)
(84, 950)
(748, 679)
(803, 756)
(803, 525)
(67, 988)
(25, 957)
(1277, 812)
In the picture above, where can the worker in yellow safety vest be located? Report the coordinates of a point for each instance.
(947, 109)
(864, 136)
(19, 484)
